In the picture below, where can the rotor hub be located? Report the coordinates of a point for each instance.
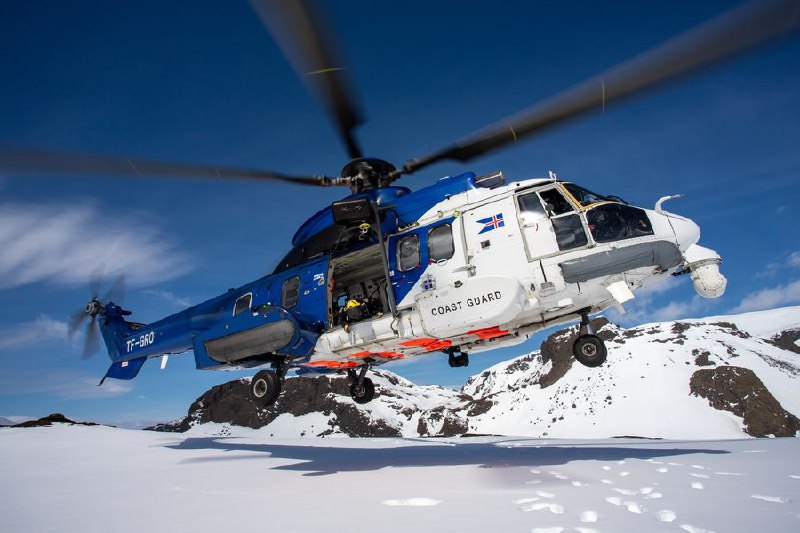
(94, 308)
(367, 173)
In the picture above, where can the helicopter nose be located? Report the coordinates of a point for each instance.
(686, 231)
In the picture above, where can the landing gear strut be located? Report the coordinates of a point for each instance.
(589, 349)
(362, 390)
(456, 358)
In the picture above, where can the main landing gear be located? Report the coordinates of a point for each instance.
(362, 390)
(589, 349)
(456, 358)
(265, 387)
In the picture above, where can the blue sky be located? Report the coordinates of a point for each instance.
(203, 82)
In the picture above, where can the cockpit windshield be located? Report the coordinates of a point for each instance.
(584, 196)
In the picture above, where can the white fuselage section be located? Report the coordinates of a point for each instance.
(525, 256)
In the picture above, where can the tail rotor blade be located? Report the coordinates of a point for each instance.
(116, 293)
(92, 342)
(75, 322)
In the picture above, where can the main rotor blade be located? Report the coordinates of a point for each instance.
(37, 161)
(313, 53)
(735, 31)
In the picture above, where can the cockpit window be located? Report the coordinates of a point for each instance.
(616, 222)
(554, 202)
(530, 207)
(584, 196)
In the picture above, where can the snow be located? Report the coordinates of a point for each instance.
(643, 388)
(76, 478)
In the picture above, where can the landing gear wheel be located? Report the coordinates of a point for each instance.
(265, 387)
(363, 394)
(590, 350)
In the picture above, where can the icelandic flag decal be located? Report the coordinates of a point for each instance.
(491, 223)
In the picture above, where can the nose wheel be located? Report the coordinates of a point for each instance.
(589, 349)
(456, 358)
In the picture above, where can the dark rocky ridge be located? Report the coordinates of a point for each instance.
(730, 388)
(739, 391)
(49, 420)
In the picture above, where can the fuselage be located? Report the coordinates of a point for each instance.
(470, 263)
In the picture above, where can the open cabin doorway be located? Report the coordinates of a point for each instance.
(358, 288)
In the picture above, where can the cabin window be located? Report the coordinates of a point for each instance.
(290, 292)
(555, 203)
(440, 243)
(243, 303)
(408, 253)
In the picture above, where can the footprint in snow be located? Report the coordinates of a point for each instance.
(693, 529)
(556, 529)
(626, 492)
(698, 467)
(545, 506)
(698, 486)
(773, 499)
(634, 507)
(645, 490)
(735, 474)
(607, 481)
(588, 517)
(623, 474)
(579, 484)
(525, 500)
(666, 516)
(544, 494)
(662, 470)
(654, 496)
(794, 477)
(701, 476)
(586, 530)
(412, 502)
(606, 468)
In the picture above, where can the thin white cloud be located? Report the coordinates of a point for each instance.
(169, 297)
(770, 297)
(34, 332)
(789, 262)
(64, 384)
(65, 245)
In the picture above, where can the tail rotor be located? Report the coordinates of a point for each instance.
(95, 307)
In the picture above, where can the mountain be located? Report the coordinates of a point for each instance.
(5, 421)
(717, 377)
(49, 420)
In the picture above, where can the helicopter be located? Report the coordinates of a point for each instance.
(467, 264)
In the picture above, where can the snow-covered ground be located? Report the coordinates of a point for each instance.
(75, 478)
